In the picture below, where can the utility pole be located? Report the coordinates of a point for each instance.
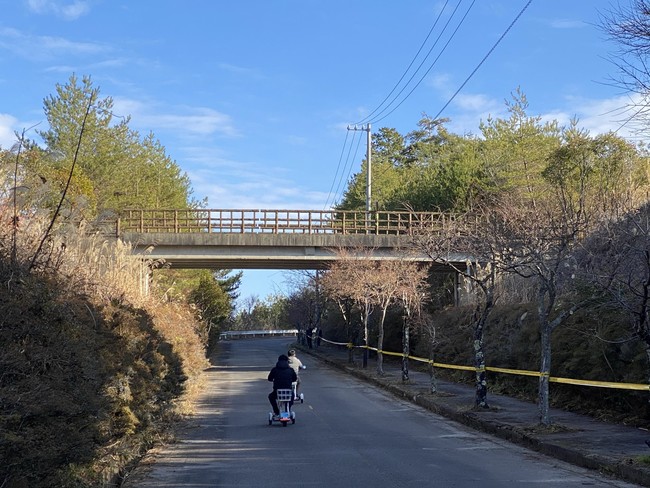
(368, 170)
(368, 219)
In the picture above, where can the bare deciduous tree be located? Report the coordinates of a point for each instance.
(384, 283)
(539, 245)
(471, 247)
(352, 276)
(305, 304)
(411, 294)
(616, 259)
(629, 27)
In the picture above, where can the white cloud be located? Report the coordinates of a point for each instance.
(599, 116)
(239, 70)
(89, 67)
(65, 10)
(229, 183)
(196, 120)
(475, 102)
(567, 24)
(466, 110)
(295, 140)
(441, 82)
(183, 120)
(45, 47)
(261, 191)
(7, 127)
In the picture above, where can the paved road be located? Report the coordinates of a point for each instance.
(346, 434)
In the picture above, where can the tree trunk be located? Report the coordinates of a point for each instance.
(380, 342)
(545, 302)
(347, 317)
(482, 314)
(545, 371)
(366, 314)
(406, 349)
(479, 364)
(433, 384)
(647, 355)
(380, 355)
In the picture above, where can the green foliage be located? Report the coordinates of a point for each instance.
(547, 187)
(88, 379)
(645, 459)
(433, 169)
(429, 169)
(601, 175)
(270, 314)
(213, 302)
(229, 283)
(212, 294)
(442, 172)
(387, 157)
(521, 156)
(116, 168)
(515, 150)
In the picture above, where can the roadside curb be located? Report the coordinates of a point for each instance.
(624, 469)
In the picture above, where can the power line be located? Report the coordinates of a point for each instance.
(478, 66)
(367, 117)
(338, 166)
(406, 85)
(374, 121)
(351, 160)
(331, 195)
(348, 162)
(484, 58)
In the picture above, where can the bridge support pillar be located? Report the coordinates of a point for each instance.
(146, 275)
(464, 292)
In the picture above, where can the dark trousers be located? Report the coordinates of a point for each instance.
(274, 402)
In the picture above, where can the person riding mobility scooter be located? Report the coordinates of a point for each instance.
(281, 398)
(296, 364)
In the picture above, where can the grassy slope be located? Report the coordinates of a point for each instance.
(85, 389)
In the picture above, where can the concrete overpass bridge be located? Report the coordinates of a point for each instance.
(275, 239)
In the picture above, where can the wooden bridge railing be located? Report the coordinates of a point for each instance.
(277, 221)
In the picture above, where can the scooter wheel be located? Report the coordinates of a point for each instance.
(270, 422)
(284, 424)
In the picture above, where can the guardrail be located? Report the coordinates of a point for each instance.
(239, 334)
(278, 221)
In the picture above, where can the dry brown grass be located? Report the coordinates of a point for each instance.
(93, 370)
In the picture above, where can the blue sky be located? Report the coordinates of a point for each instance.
(252, 97)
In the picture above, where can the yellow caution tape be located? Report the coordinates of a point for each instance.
(335, 343)
(389, 353)
(453, 366)
(520, 372)
(601, 384)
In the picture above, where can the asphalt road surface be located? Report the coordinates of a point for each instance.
(347, 434)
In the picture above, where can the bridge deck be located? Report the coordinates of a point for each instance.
(274, 239)
(240, 221)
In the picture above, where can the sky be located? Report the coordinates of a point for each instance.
(253, 98)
